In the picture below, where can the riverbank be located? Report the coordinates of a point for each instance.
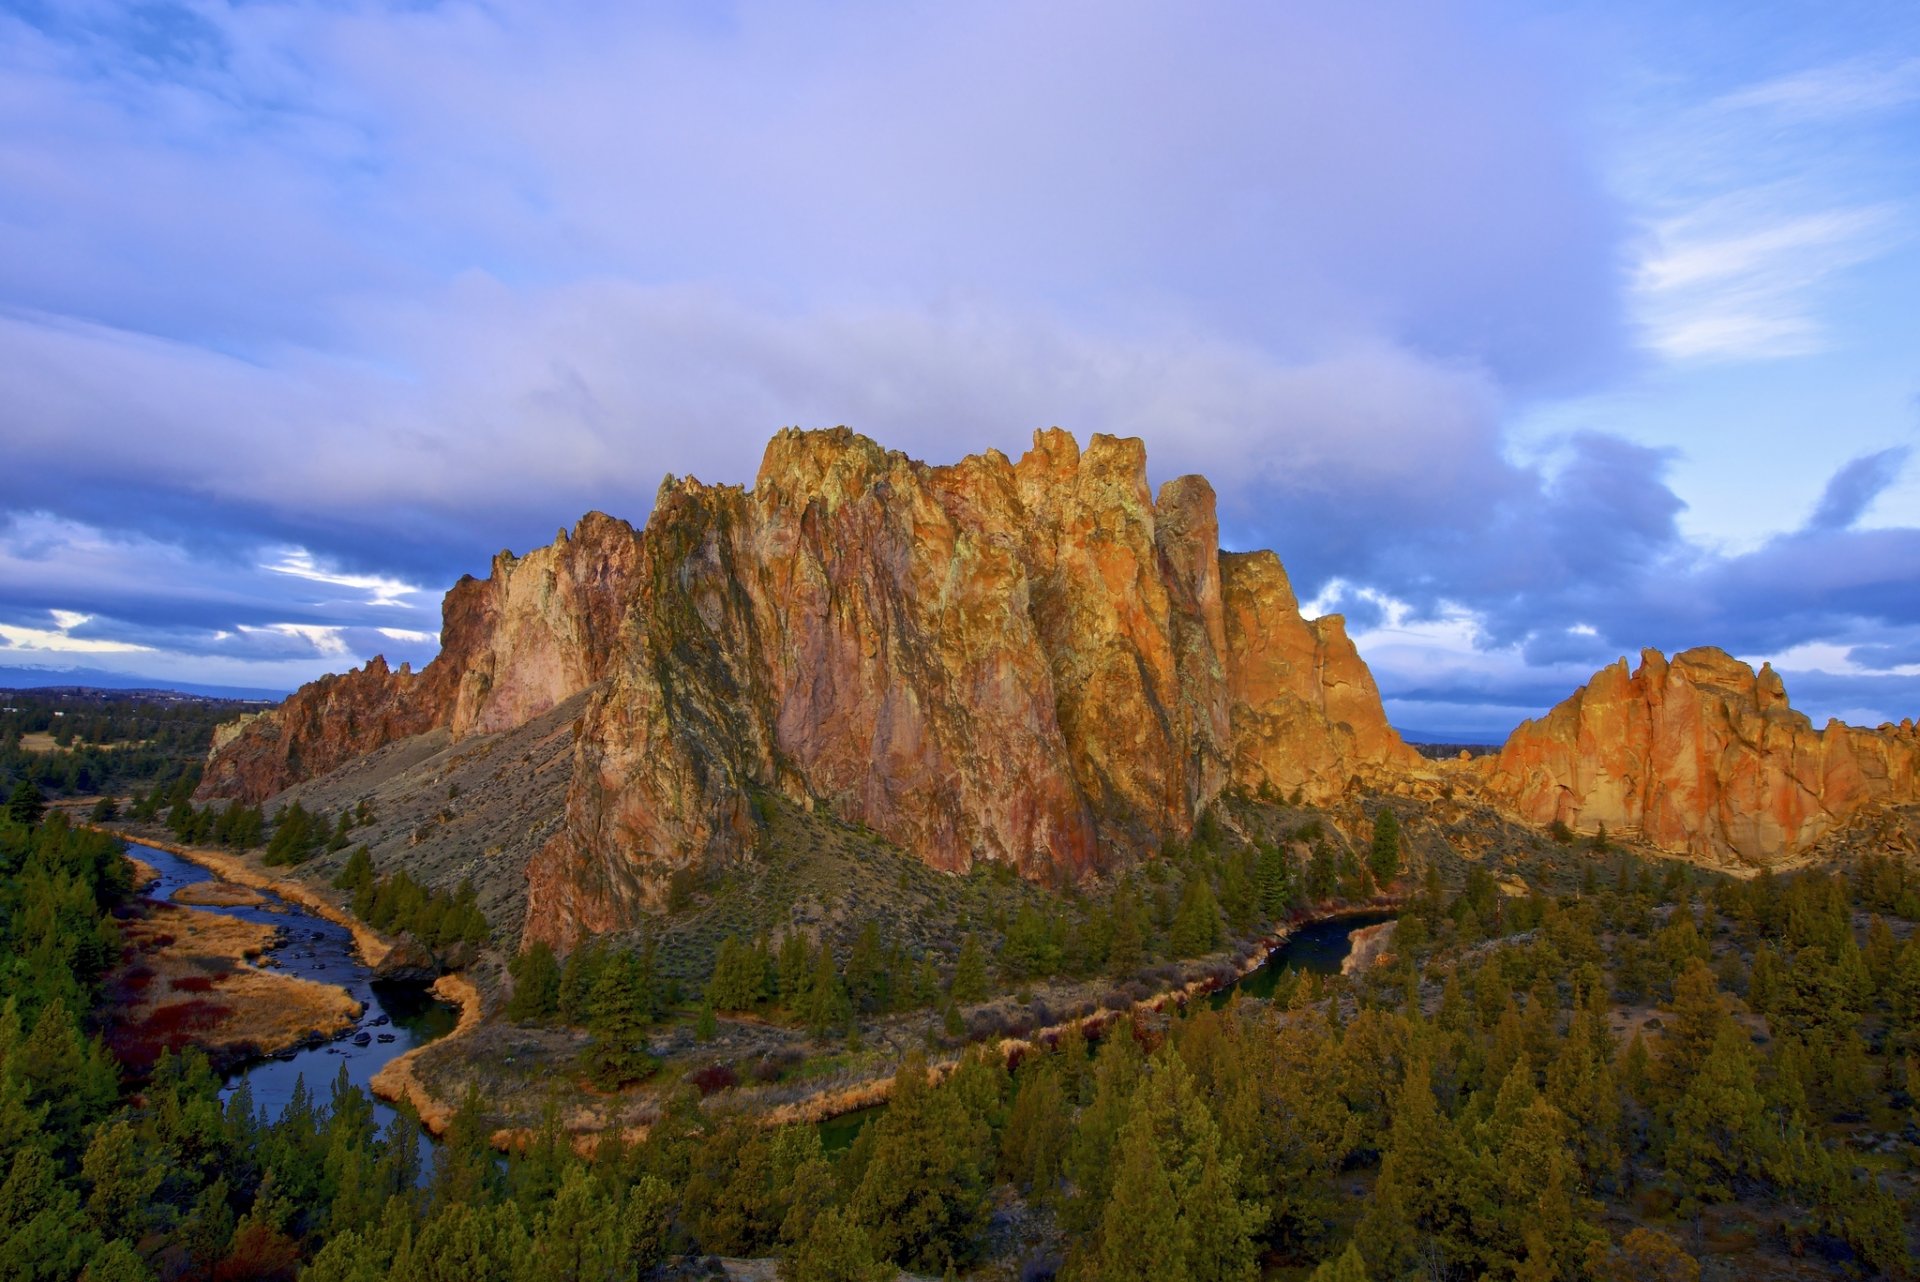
(188, 978)
(399, 1081)
(234, 868)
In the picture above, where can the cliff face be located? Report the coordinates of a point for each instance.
(1700, 756)
(511, 647)
(1037, 663)
(1306, 714)
(1026, 663)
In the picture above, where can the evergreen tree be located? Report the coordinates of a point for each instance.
(1383, 856)
(923, 1195)
(1273, 881)
(1196, 924)
(619, 1012)
(969, 973)
(26, 803)
(536, 983)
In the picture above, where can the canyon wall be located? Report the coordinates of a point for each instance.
(1039, 663)
(1700, 756)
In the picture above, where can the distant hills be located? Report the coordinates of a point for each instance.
(42, 678)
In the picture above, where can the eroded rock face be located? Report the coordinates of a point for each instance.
(1034, 663)
(1306, 715)
(1701, 756)
(512, 646)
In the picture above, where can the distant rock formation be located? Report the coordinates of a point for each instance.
(1036, 663)
(1700, 756)
(541, 628)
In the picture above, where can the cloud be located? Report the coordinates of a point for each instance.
(1852, 490)
(314, 305)
(1758, 201)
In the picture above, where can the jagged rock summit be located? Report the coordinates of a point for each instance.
(1039, 663)
(1700, 756)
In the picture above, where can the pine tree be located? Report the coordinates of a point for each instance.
(619, 1012)
(1196, 923)
(1273, 881)
(26, 803)
(1348, 1266)
(1383, 856)
(969, 973)
(536, 983)
(835, 1249)
(923, 1194)
(1720, 1134)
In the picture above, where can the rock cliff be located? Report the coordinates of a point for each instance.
(1701, 756)
(1038, 663)
(540, 629)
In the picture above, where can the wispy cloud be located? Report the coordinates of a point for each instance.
(380, 589)
(59, 640)
(1757, 202)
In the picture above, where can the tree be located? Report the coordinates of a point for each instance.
(1196, 924)
(1383, 857)
(1128, 947)
(536, 983)
(1273, 881)
(835, 1249)
(923, 1195)
(828, 1006)
(1033, 1147)
(1348, 1266)
(27, 803)
(619, 1013)
(1720, 1133)
(1175, 1211)
(969, 973)
(739, 979)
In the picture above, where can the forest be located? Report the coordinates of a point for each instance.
(1657, 1070)
(76, 743)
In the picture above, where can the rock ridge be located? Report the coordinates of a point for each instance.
(1700, 755)
(1037, 662)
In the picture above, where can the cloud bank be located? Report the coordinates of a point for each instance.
(320, 304)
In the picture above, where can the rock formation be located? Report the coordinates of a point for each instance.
(1701, 756)
(541, 628)
(1038, 663)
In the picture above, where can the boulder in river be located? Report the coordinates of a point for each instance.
(409, 962)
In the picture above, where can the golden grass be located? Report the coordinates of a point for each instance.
(236, 868)
(43, 741)
(397, 1080)
(218, 894)
(195, 986)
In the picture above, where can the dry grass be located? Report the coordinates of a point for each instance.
(43, 741)
(249, 872)
(399, 1079)
(218, 894)
(186, 981)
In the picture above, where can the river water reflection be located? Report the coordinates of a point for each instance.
(397, 1018)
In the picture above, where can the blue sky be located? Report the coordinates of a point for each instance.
(1527, 334)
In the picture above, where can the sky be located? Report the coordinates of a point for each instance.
(1527, 334)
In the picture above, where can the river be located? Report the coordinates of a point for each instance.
(1318, 947)
(398, 1017)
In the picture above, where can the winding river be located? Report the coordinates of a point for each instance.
(1317, 947)
(397, 1018)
